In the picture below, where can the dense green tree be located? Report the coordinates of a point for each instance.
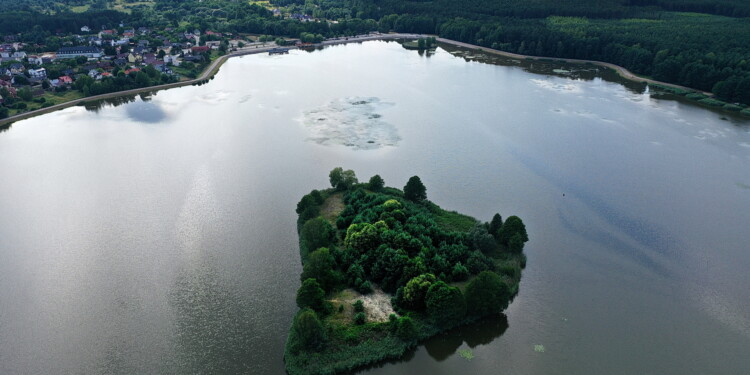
(406, 329)
(459, 272)
(478, 262)
(342, 179)
(311, 295)
(309, 206)
(142, 80)
(512, 226)
(25, 94)
(413, 296)
(364, 237)
(515, 244)
(21, 80)
(495, 225)
(320, 265)
(487, 294)
(414, 190)
(376, 183)
(481, 240)
(445, 304)
(316, 233)
(309, 330)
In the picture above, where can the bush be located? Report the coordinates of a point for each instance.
(406, 330)
(515, 244)
(459, 272)
(320, 266)
(487, 294)
(445, 304)
(311, 295)
(695, 96)
(315, 233)
(732, 107)
(711, 102)
(364, 287)
(359, 318)
(309, 331)
(359, 306)
(415, 291)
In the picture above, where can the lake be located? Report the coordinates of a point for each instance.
(158, 236)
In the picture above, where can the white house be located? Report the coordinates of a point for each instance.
(172, 59)
(36, 60)
(72, 52)
(85, 29)
(38, 73)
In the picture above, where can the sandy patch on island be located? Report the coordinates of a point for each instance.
(377, 304)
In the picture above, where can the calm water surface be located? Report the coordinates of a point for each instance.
(159, 236)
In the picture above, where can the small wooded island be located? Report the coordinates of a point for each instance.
(385, 268)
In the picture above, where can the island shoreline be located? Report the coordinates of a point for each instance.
(212, 69)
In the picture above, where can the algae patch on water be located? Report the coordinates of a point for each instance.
(466, 353)
(355, 122)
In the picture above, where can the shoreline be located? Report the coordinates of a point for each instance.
(621, 71)
(214, 67)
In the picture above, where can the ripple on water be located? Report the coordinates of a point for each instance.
(354, 122)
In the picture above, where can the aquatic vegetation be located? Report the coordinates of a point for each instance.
(355, 122)
(466, 353)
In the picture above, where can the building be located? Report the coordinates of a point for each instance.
(200, 49)
(72, 52)
(16, 68)
(38, 73)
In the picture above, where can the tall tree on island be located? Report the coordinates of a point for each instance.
(342, 179)
(414, 190)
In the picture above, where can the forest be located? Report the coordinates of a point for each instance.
(361, 241)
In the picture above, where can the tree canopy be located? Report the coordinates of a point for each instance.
(311, 295)
(309, 330)
(342, 179)
(487, 294)
(414, 190)
(445, 304)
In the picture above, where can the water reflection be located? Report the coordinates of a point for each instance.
(97, 105)
(146, 112)
(5, 127)
(480, 333)
(214, 331)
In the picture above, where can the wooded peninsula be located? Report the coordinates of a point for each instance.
(385, 268)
